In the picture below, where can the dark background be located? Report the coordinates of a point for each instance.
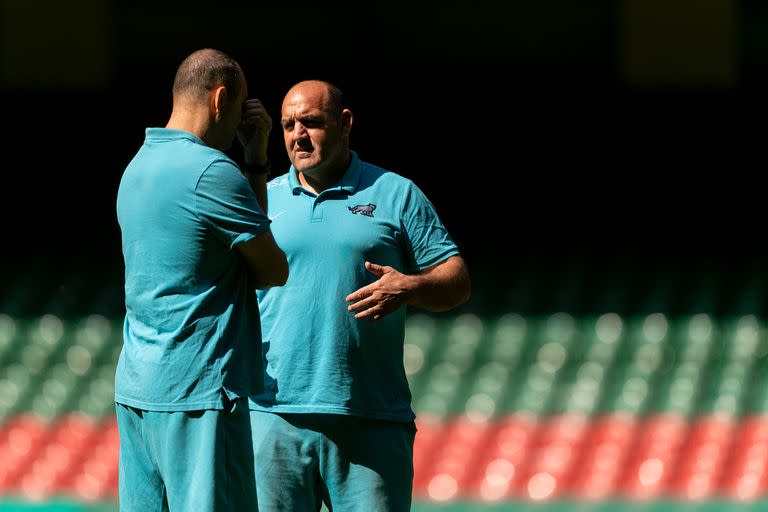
(586, 155)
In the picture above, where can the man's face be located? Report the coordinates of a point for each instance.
(312, 133)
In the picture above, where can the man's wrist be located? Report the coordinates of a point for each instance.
(252, 168)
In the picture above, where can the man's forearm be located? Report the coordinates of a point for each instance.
(441, 287)
(258, 183)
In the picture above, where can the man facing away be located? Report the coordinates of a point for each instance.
(334, 422)
(195, 243)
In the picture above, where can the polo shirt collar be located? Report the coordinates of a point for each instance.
(348, 182)
(172, 134)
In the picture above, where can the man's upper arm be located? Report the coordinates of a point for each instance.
(265, 259)
(428, 241)
(226, 203)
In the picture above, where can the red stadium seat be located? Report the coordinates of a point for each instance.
(20, 445)
(605, 451)
(702, 459)
(552, 455)
(455, 458)
(747, 475)
(505, 454)
(649, 468)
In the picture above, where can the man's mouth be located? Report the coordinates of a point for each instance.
(304, 148)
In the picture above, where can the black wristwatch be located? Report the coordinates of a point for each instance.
(258, 169)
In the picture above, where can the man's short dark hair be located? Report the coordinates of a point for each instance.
(204, 70)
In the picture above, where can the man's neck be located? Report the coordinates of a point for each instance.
(190, 122)
(326, 179)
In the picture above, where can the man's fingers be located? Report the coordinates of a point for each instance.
(373, 313)
(366, 291)
(253, 111)
(362, 293)
(361, 304)
(374, 268)
(252, 103)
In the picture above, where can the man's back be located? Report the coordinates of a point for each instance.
(188, 300)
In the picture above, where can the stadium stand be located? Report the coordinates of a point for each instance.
(555, 412)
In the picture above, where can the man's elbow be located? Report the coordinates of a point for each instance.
(277, 275)
(461, 294)
(465, 292)
(282, 277)
(454, 298)
(280, 273)
(462, 289)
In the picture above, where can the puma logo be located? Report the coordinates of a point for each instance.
(363, 209)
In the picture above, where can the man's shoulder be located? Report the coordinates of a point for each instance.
(374, 174)
(181, 160)
(218, 173)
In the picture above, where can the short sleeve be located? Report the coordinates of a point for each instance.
(226, 203)
(427, 241)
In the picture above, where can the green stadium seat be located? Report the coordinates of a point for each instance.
(420, 338)
(8, 331)
(694, 339)
(534, 388)
(420, 331)
(19, 379)
(97, 398)
(9, 397)
(49, 331)
(679, 390)
(440, 390)
(602, 338)
(93, 333)
(508, 340)
(462, 338)
(742, 339)
(559, 328)
(581, 391)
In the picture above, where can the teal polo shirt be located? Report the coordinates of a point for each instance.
(191, 332)
(318, 357)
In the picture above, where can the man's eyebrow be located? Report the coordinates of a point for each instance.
(302, 117)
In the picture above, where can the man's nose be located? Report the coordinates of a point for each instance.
(299, 132)
(299, 129)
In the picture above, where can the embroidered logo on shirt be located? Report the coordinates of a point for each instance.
(277, 182)
(363, 209)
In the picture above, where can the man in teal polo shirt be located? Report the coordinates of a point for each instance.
(334, 421)
(196, 243)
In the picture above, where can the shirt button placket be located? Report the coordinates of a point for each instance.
(317, 210)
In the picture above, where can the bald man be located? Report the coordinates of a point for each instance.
(334, 422)
(196, 243)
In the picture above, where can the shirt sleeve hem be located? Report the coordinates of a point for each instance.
(249, 235)
(431, 262)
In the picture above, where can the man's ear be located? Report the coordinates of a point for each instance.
(346, 121)
(218, 99)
